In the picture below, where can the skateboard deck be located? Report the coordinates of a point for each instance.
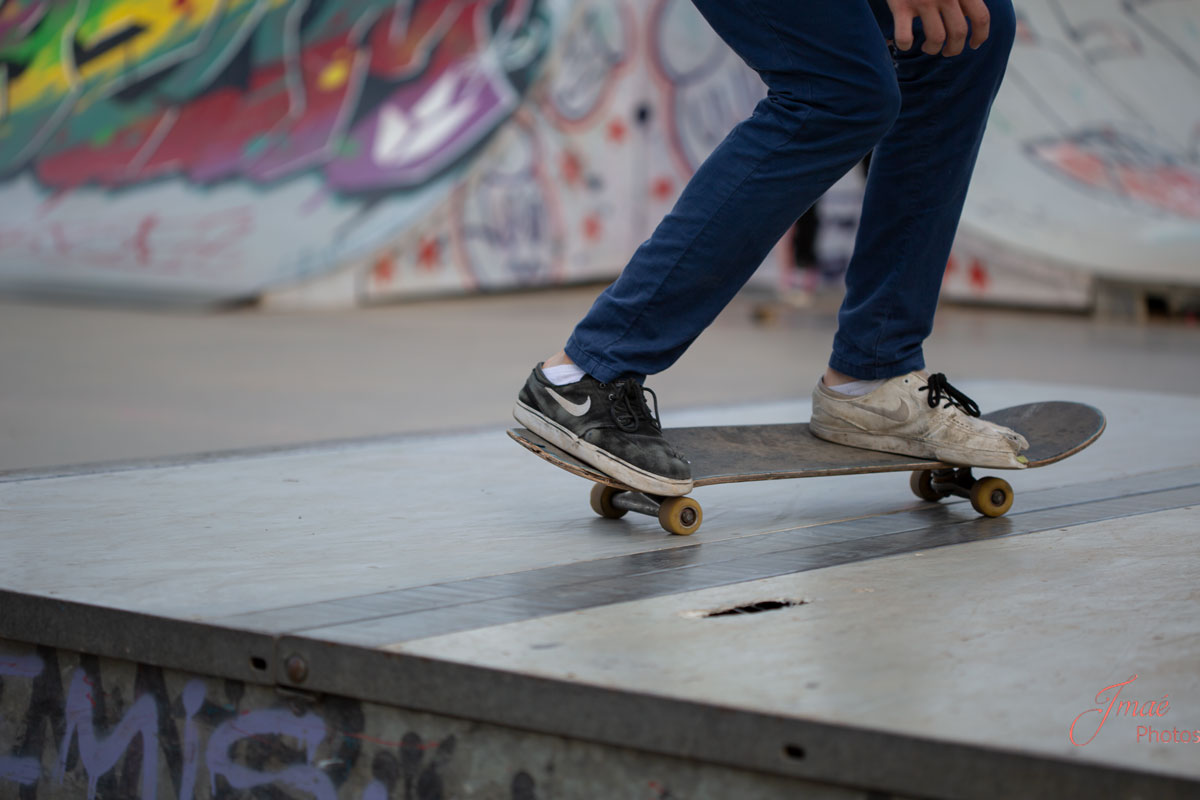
(741, 453)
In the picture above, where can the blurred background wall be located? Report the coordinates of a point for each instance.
(334, 153)
(1090, 171)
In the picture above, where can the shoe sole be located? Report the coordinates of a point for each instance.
(909, 447)
(628, 474)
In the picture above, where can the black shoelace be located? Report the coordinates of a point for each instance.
(940, 389)
(629, 406)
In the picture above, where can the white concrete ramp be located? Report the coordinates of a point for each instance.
(1091, 164)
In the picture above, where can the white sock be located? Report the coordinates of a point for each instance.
(563, 374)
(855, 388)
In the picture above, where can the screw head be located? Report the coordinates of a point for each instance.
(297, 668)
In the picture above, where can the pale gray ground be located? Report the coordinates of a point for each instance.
(81, 384)
(996, 642)
(993, 634)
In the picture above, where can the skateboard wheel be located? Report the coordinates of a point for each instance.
(921, 483)
(991, 497)
(602, 502)
(680, 515)
(764, 314)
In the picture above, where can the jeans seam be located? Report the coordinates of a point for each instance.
(774, 32)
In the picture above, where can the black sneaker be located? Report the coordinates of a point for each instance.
(606, 425)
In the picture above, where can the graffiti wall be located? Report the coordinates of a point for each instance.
(335, 152)
(218, 149)
(74, 726)
(1091, 164)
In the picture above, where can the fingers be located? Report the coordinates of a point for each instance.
(945, 24)
(935, 32)
(903, 35)
(955, 25)
(981, 21)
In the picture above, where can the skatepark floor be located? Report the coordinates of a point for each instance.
(377, 537)
(917, 649)
(88, 384)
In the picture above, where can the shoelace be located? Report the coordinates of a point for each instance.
(629, 406)
(940, 389)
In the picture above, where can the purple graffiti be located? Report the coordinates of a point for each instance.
(309, 729)
(420, 130)
(21, 666)
(98, 754)
(21, 770)
(375, 791)
(193, 700)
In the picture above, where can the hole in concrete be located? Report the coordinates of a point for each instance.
(258, 663)
(794, 751)
(754, 608)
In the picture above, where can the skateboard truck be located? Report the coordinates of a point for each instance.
(990, 496)
(678, 515)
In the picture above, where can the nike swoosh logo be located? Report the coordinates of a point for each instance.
(900, 413)
(574, 409)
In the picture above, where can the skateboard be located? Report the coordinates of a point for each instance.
(743, 453)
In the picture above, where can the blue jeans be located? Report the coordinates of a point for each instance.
(835, 92)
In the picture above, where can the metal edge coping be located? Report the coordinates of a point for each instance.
(139, 637)
(796, 747)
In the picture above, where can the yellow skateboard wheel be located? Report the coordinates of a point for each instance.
(601, 499)
(921, 483)
(680, 515)
(991, 497)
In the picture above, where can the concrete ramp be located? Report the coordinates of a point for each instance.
(1091, 166)
(336, 154)
(341, 153)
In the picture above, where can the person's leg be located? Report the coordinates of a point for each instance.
(917, 183)
(831, 95)
(873, 394)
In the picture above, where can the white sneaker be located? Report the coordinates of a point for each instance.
(919, 416)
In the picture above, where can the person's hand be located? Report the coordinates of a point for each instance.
(944, 21)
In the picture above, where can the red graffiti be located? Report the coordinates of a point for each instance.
(204, 245)
(1127, 168)
(429, 253)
